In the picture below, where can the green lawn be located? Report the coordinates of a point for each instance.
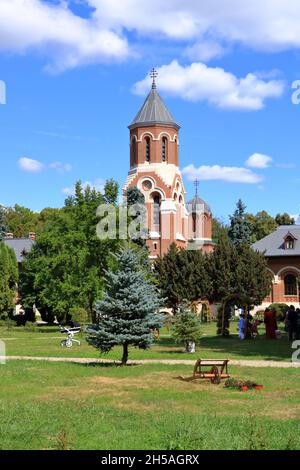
(46, 342)
(74, 406)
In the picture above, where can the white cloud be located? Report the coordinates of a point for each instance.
(61, 167)
(222, 173)
(258, 160)
(30, 165)
(105, 33)
(271, 25)
(198, 82)
(205, 50)
(68, 39)
(98, 185)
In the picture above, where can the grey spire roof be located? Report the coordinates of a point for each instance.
(197, 205)
(153, 111)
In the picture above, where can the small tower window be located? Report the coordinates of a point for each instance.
(148, 155)
(290, 285)
(164, 149)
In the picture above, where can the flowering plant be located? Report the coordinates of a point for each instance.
(241, 384)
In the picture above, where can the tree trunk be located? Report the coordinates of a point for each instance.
(190, 347)
(125, 354)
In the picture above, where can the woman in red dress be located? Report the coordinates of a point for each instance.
(271, 323)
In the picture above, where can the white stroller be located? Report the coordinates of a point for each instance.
(70, 332)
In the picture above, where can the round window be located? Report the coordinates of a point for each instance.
(147, 185)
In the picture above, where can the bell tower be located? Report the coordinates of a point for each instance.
(154, 169)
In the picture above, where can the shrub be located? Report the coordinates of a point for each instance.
(280, 310)
(186, 326)
(260, 315)
(79, 315)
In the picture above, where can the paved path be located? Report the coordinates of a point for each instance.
(188, 362)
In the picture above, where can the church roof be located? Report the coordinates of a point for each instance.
(196, 204)
(153, 111)
(273, 244)
(21, 247)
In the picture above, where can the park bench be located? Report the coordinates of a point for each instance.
(213, 369)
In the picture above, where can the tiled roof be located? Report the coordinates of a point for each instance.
(20, 246)
(274, 245)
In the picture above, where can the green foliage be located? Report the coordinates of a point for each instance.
(240, 230)
(20, 220)
(134, 196)
(65, 268)
(127, 314)
(238, 270)
(218, 229)
(79, 315)
(280, 309)
(111, 190)
(3, 225)
(222, 264)
(8, 279)
(186, 326)
(262, 224)
(183, 275)
(284, 219)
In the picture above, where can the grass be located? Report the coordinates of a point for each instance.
(45, 341)
(75, 406)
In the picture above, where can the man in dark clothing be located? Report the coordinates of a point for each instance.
(298, 323)
(291, 319)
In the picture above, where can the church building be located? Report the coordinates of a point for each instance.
(154, 169)
(282, 251)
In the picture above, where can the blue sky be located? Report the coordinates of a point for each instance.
(76, 74)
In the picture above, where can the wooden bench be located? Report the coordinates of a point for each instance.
(213, 369)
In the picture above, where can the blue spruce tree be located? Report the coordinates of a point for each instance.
(127, 315)
(3, 227)
(240, 229)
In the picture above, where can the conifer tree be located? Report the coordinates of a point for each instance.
(127, 314)
(183, 275)
(240, 228)
(3, 227)
(8, 279)
(186, 326)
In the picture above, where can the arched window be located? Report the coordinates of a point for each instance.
(148, 153)
(134, 151)
(156, 212)
(164, 149)
(176, 150)
(290, 285)
(194, 219)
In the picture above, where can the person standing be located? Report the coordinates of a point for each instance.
(270, 323)
(291, 320)
(241, 326)
(298, 323)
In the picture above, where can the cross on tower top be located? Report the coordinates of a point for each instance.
(196, 184)
(153, 75)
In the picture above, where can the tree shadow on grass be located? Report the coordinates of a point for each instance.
(260, 348)
(107, 365)
(275, 350)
